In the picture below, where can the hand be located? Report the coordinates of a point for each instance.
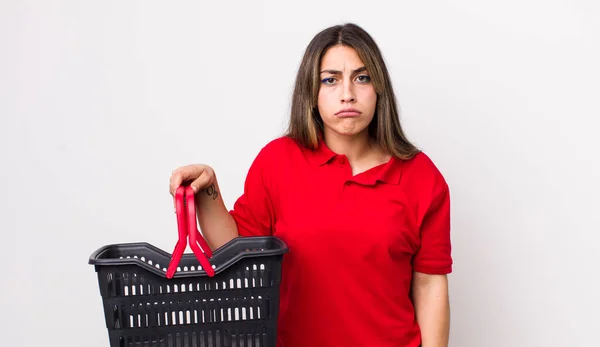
(198, 176)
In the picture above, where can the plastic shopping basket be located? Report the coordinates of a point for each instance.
(153, 298)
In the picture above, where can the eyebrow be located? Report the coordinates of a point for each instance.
(338, 72)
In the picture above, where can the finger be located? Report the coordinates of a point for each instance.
(174, 181)
(200, 182)
(182, 175)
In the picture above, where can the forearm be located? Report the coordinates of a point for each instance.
(216, 223)
(432, 307)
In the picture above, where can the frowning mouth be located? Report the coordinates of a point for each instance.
(348, 112)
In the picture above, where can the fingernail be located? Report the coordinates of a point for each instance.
(194, 189)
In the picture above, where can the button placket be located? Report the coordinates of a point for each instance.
(345, 173)
(344, 188)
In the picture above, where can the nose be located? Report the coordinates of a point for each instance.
(348, 93)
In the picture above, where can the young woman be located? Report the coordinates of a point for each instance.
(366, 215)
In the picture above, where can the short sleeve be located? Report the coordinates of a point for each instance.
(253, 211)
(434, 253)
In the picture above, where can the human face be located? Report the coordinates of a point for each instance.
(345, 85)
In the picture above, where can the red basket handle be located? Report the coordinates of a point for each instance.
(185, 208)
(182, 231)
(195, 237)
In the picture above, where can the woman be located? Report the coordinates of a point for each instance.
(364, 213)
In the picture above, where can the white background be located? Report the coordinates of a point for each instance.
(101, 100)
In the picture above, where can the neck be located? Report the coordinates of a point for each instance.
(353, 147)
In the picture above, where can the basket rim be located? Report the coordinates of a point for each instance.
(220, 254)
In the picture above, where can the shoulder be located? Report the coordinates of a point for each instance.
(422, 164)
(278, 148)
(421, 172)
(269, 165)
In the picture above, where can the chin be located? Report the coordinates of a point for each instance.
(349, 131)
(347, 126)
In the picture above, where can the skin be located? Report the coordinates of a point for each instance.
(344, 84)
(432, 308)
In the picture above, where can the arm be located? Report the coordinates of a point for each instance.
(431, 264)
(253, 212)
(432, 308)
(217, 225)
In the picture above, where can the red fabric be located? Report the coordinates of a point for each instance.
(354, 241)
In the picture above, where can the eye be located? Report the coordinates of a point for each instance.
(363, 79)
(329, 80)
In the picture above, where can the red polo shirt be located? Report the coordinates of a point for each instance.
(354, 241)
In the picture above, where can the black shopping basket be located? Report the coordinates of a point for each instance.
(153, 298)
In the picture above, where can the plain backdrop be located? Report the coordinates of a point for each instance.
(101, 100)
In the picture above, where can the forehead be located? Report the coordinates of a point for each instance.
(342, 58)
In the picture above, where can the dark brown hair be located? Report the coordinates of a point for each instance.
(306, 125)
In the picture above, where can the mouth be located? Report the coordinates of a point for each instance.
(348, 112)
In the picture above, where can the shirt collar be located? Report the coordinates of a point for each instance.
(389, 172)
(322, 154)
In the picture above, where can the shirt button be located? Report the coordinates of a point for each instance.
(341, 160)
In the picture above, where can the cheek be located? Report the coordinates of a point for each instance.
(324, 103)
(369, 98)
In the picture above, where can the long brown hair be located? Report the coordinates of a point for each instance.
(306, 125)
